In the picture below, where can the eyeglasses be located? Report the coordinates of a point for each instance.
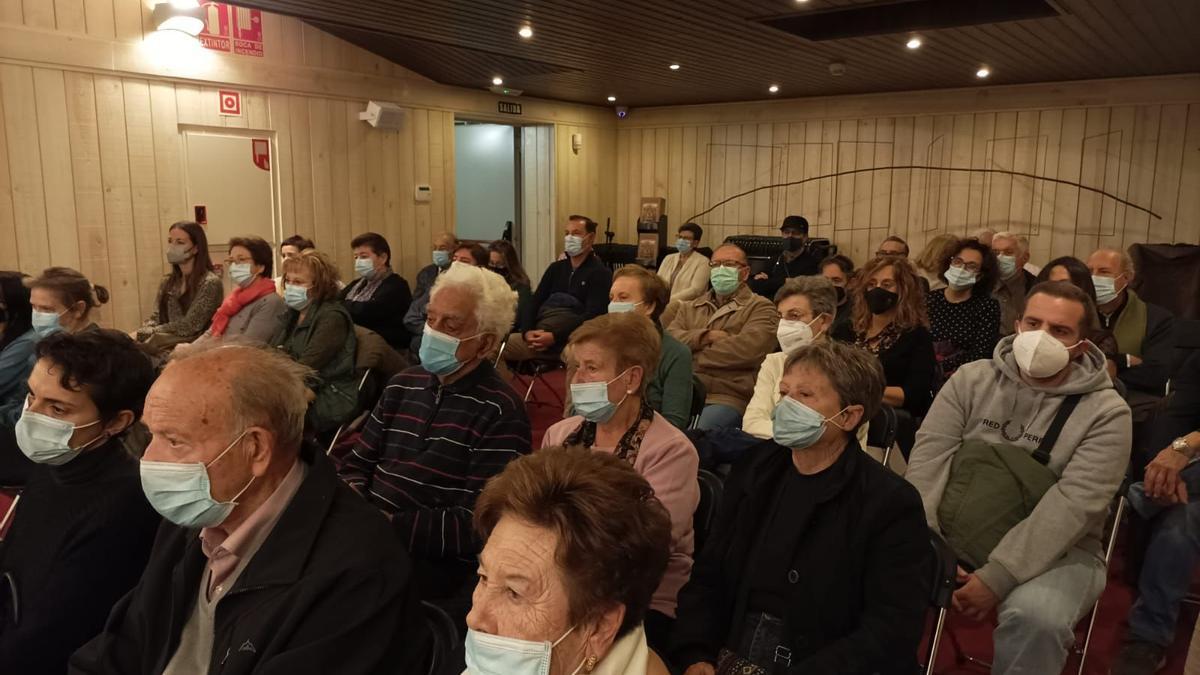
(731, 264)
(968, 266)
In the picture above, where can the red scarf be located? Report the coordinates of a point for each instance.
(239, 298)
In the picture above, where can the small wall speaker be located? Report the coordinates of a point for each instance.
(383, 115)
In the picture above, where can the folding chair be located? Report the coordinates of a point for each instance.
(342, 427)
(444, 637)
(1118, 515)
(535, 371)
(881, 431)
(12, 508)
(712, 488)
(945, 572)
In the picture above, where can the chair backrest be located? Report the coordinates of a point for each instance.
(944, 570)
(881, 432)
(712, 488)
(617, 255)
(443, 636)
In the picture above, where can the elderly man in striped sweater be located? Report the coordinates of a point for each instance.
(442, 429)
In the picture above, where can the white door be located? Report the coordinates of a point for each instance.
(230, 177)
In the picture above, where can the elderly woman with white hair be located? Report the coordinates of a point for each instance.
(442, 429)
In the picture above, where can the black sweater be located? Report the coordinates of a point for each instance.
(384, 312)
(911, 365)
(589, 284)
(80, 539)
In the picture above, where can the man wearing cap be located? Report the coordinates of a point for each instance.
(796, 260)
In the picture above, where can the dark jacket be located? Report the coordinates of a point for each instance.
(1157, 347)
(910, 364)
(1182, 413)
(384, 312)
(80, 538)
(806, 264)
(863, 562)
(589, 284)
(328, 592)
(324, 341)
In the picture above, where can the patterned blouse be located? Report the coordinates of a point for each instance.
(186, 322)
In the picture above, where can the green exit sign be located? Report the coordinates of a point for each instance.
(509, 108)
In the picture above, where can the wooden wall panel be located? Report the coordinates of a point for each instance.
(1148, 154)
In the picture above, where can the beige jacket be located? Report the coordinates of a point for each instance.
(728, 367)
(691, 281)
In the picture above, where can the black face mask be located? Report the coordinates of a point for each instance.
(841, 294)
(880, 300)
(793, 244)
(499, 269)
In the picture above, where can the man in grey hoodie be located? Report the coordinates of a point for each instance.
(1048, 570)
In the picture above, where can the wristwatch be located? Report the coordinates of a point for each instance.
(1181, 446)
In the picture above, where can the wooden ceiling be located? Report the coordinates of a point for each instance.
(586, 50)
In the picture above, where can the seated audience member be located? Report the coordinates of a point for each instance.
(1029, 266)
(1073, 270)
(310, 578)
(82, 531)
(575, 543)
(414, 319)
(890, 322)
(964, 318)
(444, 244)
(1013, 285)
(806, 307)
(686, 272)
(291, 247)
(252, 311)
(839, 270)
(378, 297)
(818, 561)
(1144, 331)
(1169, 498)
(317, 332)
(572, 290)
(798, 258)
(188, 296)
(929, 263)
(17, 341)
(442, 429)
(504, 260)
(612, 357)
(729, 331)
(1041, 428)
(669, 392)
(63, 300)
(893, 245)
(985, 236)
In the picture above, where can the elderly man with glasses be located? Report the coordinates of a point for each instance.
(730, 330)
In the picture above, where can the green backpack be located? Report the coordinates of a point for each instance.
(993, 487)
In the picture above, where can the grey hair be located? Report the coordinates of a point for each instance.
(266, 387)
(495, 302)
(818, 290)
(1126, 259)
(854, 373)
(1020, 240)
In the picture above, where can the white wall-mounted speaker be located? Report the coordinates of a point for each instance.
(383, 115)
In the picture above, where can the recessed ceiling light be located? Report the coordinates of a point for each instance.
(497, 81)
(983, 72)
(774, 89)
(674, 66)
(526, 31)
(914, 42)
(612, 98)
(801, 2)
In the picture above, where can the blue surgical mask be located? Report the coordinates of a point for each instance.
(960, 278)
(439, 352)
(46, 440)
(1008, 265)
(495, 655)
(441, 258)
(182, 494)
(590, 400)
(683, 245)
(622, 307)
(363, 267)
(46, 323)
(795, 425)
(725, 280)
(240, 273)
(1106, 288)
(573, 245)
(295, 296)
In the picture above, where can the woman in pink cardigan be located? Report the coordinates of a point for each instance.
(612, 358)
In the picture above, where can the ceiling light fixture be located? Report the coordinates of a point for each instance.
(674, 66)
(525, 31)
(184, 16)
(497, 81)
(612, 99)
(774, 89)
(914, 42)
(983, 72)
